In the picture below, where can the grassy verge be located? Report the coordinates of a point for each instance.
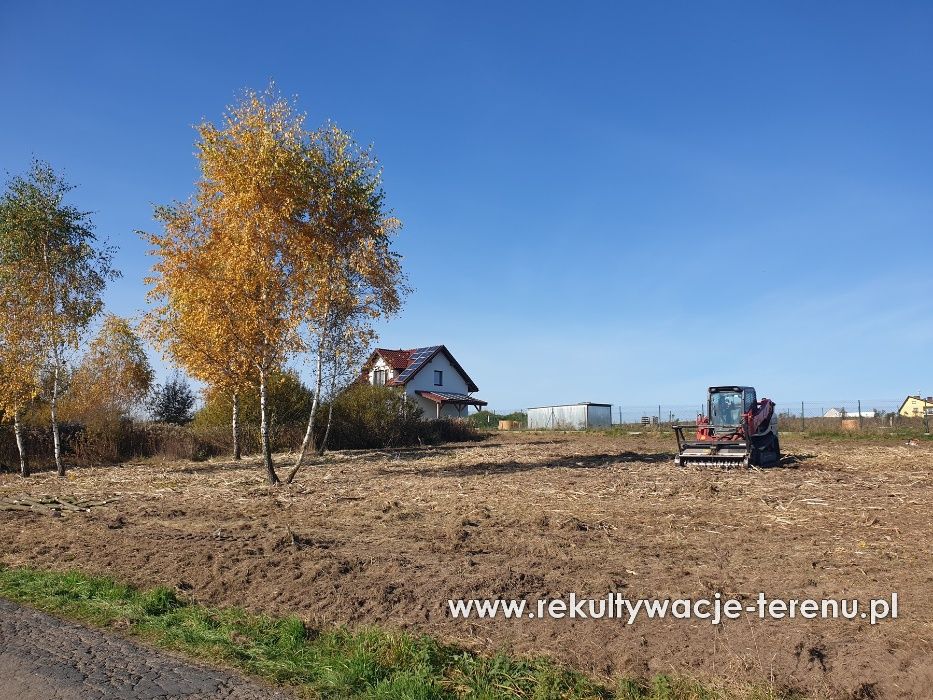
(335, 663)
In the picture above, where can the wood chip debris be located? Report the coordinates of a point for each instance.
(59, 504)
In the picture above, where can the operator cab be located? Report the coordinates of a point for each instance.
(728, 403)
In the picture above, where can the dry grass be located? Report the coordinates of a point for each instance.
(387, 537)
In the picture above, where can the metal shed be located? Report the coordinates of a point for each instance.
(577, 416)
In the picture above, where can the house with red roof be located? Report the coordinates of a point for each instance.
(429, 376)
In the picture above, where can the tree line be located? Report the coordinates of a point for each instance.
(283, 252)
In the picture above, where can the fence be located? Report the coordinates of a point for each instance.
(876, 410)
(826, 414)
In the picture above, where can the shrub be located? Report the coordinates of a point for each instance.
(488, 420)
(288, 400)
(365, 417)
(370, 417)
(449, 430)
(288, 405)
(172, 402)
(373, 417)
(109, 443)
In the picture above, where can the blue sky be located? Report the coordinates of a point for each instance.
(617, 202)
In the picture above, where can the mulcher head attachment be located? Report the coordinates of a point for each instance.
(713, 454)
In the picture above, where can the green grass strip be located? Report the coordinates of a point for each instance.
(337, 663)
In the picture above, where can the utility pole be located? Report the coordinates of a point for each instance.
(859, 414)
(803, 425)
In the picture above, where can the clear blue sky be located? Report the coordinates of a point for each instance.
(618, 202)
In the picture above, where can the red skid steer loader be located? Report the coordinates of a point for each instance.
(737, 430)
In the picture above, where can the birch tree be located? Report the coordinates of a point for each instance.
(195, 320)
(235, 239)
(285, 247)
(113, 378)
(359, 277)
(51, 254)
(349, 347)
(20, 364)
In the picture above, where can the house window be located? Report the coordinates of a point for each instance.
(438, 378)
(379, 377)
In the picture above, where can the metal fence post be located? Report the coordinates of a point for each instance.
(803, 425)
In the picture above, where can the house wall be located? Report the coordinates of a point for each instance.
(381, 364)
(429, 409)
(424, 381)
(914, 407)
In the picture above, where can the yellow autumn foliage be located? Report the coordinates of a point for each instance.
(113, 378)
(282, 249)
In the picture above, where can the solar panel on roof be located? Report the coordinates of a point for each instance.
(418, 357)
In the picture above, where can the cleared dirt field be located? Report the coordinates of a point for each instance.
(388, 537)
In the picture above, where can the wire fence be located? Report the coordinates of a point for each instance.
(838, 408)
(803, 415)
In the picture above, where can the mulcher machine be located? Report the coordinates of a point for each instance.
(737, 430)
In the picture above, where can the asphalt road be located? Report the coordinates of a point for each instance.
(45, 658)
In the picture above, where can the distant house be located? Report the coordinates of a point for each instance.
(916, 407)
(843, 413)
(429, 376)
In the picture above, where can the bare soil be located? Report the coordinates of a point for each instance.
(388, 537)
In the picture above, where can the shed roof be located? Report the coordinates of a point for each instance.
(581, 403)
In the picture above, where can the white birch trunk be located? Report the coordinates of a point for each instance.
(236, 425)
(309, 433)
(21, 446)
(56, 358)
(264, 430)
(330, 407)
(53, 409)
